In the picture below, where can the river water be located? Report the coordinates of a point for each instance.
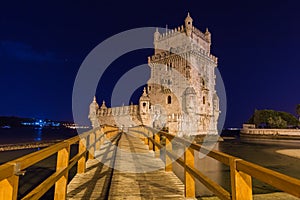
(31, 134)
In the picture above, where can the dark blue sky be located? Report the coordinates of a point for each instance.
(43, 43)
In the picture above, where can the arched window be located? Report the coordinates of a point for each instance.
(203, 100)
(169, 100)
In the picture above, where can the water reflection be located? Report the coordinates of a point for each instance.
(38, 134)
(211, 168)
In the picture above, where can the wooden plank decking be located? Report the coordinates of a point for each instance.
(137, 174)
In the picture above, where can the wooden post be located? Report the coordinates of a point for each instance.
(241, 183)
(157, 140)
(168, 160)
(147, 137)
(102, 140)
(82, 160)
(9, 188)
(105, 132)
(98, 139)
(150, 135)
(92, 146)
(108, 134)
(62, 163)
(144, 139)
(189, 181)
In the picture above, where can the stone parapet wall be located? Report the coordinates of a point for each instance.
(258, 131)
(119, 111)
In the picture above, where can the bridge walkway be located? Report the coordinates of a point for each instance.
(125, 170)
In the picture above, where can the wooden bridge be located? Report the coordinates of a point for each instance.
(112, 164)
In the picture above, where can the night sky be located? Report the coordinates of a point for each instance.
(43, 43)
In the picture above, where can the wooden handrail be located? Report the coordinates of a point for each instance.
(10, 171)
(6, 170)
(280, 181)
(241, 171)
(33, 158)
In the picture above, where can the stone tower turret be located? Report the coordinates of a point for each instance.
(188, 25)
(208, 39)
(93, 113)
(144, 108)
(208, 35)
(156, 37)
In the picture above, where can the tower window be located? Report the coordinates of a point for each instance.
(203, 100)
(168, 67)
(144, 104)
(169, 100)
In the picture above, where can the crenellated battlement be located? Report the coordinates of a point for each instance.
(180, 30)
(171, 32)
(118, 111)
(180, 51)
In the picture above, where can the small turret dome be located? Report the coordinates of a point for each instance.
(188, 20)
(94, 103)
(188, 25)
(156, 35)
(103, 105)
(145, 96)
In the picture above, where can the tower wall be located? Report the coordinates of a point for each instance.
(183, 60)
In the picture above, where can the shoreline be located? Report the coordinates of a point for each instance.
(269, 139)
(295, 153)
(288, 136)
(249, 129)
(27, 145)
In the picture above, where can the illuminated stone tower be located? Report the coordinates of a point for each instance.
(182, 80)
(180, 93)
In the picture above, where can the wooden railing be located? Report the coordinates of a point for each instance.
(87, 142)
(241, 171)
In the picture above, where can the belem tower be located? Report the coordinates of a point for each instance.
(180, 94)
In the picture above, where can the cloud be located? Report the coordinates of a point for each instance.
(24, 52)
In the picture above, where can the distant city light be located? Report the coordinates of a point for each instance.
(43, 123)
(75, 126)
